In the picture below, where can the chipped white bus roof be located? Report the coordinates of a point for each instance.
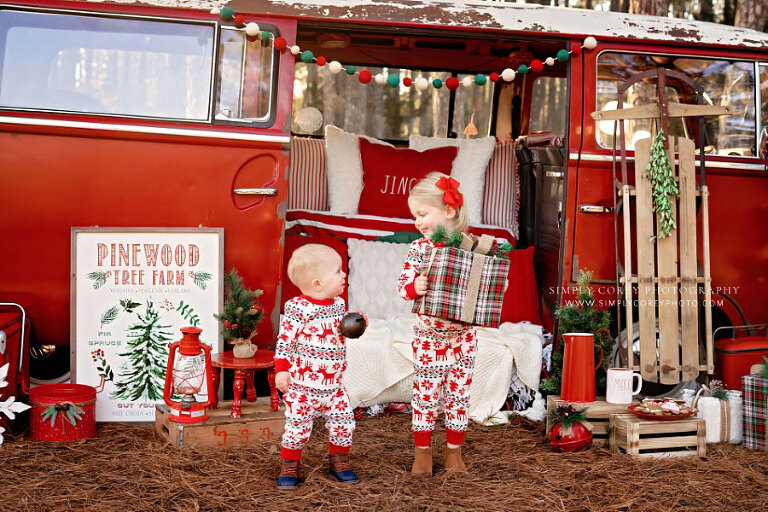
(503, 16)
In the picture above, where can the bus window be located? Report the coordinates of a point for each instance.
(381, 111)
(473, 100)
(104, 65)
(549, 111)
(763, 141)
(724, 83)
(246, 68)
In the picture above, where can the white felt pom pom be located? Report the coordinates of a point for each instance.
(334, 66)
(380, 79)
(252, 29)
(590, 43)
(466, 81)
(215, 10)
(295, 50)
(550, 61)
(508, 75)
(421, 83)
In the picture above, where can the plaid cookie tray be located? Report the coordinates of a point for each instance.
(464, 286)
(755, 392)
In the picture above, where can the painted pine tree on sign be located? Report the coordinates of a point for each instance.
(142, 375)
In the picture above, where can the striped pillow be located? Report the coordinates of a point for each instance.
(501, 196)
(307, 181)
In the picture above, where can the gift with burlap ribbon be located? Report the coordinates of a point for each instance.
(465, 283)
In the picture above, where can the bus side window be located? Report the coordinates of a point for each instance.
(763, 141)
(549, 112)
(245, 83)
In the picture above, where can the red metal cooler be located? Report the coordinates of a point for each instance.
(14, 350)
(735, 356)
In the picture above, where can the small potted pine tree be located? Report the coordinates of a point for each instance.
(240, 315)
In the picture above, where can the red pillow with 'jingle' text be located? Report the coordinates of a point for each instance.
(390, 173)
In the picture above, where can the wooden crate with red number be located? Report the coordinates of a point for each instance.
(258, 424)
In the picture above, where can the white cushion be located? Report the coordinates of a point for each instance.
(373, 271)
(344, 168)
(468, 167)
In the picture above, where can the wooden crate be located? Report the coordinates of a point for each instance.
(258, 424)
(646, 438)
(598, 413)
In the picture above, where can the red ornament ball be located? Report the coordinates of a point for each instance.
(239, 20)
(321, 61)
(576, 50)
(536, 65)
(580, 438)
(407, 82)
(364, 76)
(280, 44)
(452, 83)
(494, 77)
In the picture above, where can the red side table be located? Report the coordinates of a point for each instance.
(244, 369)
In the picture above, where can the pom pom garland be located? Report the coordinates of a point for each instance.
(252, 30)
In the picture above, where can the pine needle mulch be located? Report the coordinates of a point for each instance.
(127, 468)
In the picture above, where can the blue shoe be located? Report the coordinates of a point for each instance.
(340, 467)
(289, 474)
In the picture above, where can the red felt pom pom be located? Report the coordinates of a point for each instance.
(364, 76)
(239, 20)
(407, 82)
(576, 50)
(452, 83)
(537, 65)
(280, 44)
(321, 61)
(494, 77)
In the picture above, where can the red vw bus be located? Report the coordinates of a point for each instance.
(144, 114)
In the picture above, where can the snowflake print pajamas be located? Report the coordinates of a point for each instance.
(310, 347)
(443, 360)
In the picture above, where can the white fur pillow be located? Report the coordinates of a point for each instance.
(373, 271)
(468, 167)
(344, 169)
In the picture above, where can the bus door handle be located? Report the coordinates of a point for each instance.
(271, 191)
(595, 208)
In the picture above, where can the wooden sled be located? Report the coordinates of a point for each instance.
(670, 293)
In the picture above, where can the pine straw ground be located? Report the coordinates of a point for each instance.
(126, 467)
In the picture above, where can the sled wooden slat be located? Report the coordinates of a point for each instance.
(651, 111)
(669, 328)
(707, 280)
(646, 271)
(686, 226)
(628, 274)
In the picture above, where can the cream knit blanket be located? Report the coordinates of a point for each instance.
(380, 365)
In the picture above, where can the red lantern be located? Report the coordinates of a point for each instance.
(579, 439)
(189, 366)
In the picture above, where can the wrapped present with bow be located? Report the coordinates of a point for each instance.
(755, 390)
(466, 279)
(722, 411)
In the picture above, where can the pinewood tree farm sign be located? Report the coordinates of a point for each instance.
(133, 289)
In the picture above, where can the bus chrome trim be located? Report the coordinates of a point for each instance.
(717, 164)
(209, 134)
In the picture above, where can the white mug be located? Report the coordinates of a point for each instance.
(619, 386)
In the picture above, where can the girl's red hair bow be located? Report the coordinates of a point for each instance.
(452, 197)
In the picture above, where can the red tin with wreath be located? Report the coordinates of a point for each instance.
(571, 431)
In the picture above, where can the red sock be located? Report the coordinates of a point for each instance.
(333, 448)
(422, 439)
(290, 454)
(455, 437)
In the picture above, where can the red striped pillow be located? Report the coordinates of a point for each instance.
(501, 195)
(307, 181)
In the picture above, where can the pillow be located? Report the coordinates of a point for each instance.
(292, 243)
(501, 196)
(401, 237)
(521, 301)
(345, 171)
(307, 183)
(373, 271)
(468, 167)
(390, 173)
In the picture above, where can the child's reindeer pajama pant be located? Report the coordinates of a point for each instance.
(444, 360)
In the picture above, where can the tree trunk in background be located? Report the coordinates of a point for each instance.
(652, 7)
(705, 11)
(750, 14)
(728, 12)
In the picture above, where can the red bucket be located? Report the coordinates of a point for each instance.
(55, 410)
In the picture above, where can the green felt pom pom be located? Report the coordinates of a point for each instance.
(393, 80)
(480, 79)
(437, 83)
(227, 13)
(563, 55)
(522, 69)
(350, 69)
(266, 36)
(307, 56)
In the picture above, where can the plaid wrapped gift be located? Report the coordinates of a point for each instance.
(465, 284)
(755, 389)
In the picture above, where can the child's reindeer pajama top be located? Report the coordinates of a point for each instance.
(443, 359)
(310, 347)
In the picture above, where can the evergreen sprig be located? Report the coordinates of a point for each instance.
(241, 311)
(659, 171)
(442, 239)
(568, 416)
(764, 368)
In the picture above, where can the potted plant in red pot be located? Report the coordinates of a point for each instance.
(240, 315)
